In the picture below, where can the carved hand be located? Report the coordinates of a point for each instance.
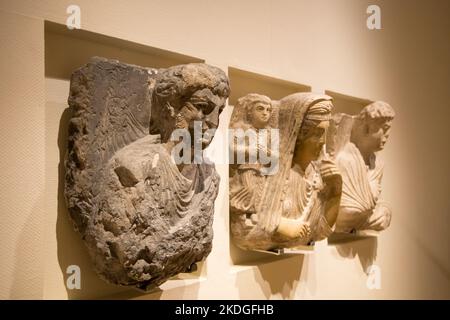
(292, 228)
(332, 191)
(328, 169)
(331, 176)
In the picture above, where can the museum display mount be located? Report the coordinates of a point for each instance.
(337, 238)
(302, 250)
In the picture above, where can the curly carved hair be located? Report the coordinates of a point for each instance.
(249, 102)
(174, 86)
(376, 110)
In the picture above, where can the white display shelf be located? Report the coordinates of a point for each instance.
(290, 251)
(337, 238)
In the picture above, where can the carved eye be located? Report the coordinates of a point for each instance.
(316, 132)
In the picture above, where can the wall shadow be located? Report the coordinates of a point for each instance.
(364, 249)
(280, 277)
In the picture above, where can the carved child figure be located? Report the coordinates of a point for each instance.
(255, 116)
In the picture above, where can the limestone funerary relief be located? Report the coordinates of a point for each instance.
(143, 217)
(298, 203)
(354, 142)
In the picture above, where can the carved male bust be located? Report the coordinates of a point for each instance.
(297, 204)
(355, 143)
(143, 218)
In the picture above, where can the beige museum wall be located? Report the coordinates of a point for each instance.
(323, 44)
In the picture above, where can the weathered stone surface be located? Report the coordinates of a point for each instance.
(354, 142)
(297, 204)
(143, 218)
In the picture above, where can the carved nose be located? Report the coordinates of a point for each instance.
(212, 119)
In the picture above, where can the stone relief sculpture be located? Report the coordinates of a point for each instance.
(354, 142)
(253, 113)
(142, 217)
(297, 204)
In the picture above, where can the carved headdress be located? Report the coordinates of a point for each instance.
(293, 114)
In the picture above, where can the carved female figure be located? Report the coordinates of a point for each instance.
(298, 204)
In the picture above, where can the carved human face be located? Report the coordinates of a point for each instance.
(376, 134)
(203, 106)
(310, 142)
(260, 115)
(315, 139)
